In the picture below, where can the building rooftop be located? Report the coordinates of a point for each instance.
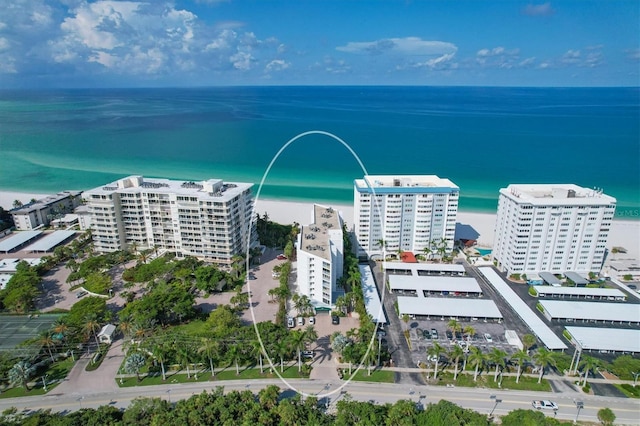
(314, 238)
(606, 339)
(448, 307)
(597, 311)
(45, 202)
(404, 183)
(424, 283)
(371, 297)
(50, 241)
(207, 190)
(556, 194)
(18, 239)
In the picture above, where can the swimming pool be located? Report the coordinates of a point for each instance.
(483, 252)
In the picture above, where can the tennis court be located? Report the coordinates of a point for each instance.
(15, 329)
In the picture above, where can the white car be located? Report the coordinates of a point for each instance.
(547, 405)
(487, 337)
(312, 320)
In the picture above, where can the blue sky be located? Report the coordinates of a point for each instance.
(154, 43)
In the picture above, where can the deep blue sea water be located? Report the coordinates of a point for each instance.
(480, 138)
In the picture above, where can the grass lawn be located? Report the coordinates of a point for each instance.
(290, 372)
(378, 376)
(56, 372)
(486, 380)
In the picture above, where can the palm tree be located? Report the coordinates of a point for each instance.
(256, 349)
(543, 358)
(161, 351)
(210, 348)
(588, 363)
(310, 334)
(17, 204)
(520, 357)
(497, 357)
(341, 303)
(45, 339)
(183, 354)
(454, 354)
(528, 340)
(235, 352)
(469, 331)
(454, 326)
(133, 363)
(91, 326)
(282, 348)
(427, 252)
(298, 341)
(21, 373)
(435, 351)
(477, 359)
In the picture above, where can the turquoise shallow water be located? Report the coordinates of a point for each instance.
(481, 138)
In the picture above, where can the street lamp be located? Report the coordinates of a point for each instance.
(44, 382)
(379, 346)
(497, 401)
(635, 378)
(579, 406)
(169, 395)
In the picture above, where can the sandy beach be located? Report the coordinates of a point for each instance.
(623, 233)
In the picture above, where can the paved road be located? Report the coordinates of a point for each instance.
(626, 410)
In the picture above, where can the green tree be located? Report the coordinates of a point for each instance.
(521, 417)
(588, 363)
(298, 341)
(47, 341)
(434, 352)
(184, 354)
(520, 357)
(455, 353)
(133, 363)
(161, 350)
(528, 340)
(497, 357)
(476, 359)
(91, 327)
(606, 416)
(210, 349)
(234, 352)
(543, 358)
(21, 373)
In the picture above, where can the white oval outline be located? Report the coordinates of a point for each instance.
(247, 259)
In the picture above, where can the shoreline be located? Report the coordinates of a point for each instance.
(623, 233)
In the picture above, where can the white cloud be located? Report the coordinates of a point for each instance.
(408, 46)
(633, 54)
(544, 9)
(277, 65)
(242, 61)
(498, 57)
(4, 44)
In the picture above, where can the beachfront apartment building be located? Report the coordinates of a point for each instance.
(551, 228)
(407, 213)
(42, 212)
(320, 257)
(210, 220)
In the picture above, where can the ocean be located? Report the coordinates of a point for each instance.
(482, 138)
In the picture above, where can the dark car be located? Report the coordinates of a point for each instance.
(434, 333)
(426, 334)
(335, 319)
(449, 335)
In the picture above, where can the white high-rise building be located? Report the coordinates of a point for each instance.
(407, 213)
(209, 220)
(320, 257)
(552, 228)
(40, 213)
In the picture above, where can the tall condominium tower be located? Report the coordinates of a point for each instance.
(209, 220)
(552, 228)
(320, 257)
(407, 213)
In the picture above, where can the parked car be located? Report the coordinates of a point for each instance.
(81, 294)
(487, 337)
(449, 335)
(544, 404)
(434, 333)
(426, 334)
(281, 257)
(308, 354)
(312, 320)
(300, 321)
(335, 320)
(290, 322)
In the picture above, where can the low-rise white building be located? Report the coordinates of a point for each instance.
(553, 228)
(41, 212)
(210, 220)
(320, 257)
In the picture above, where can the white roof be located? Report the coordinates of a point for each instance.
(371, 297)
(461, 284)
(564, 194)
(10, 264)
(107, 330)
(51, 240)
(448, 307)
(598, 311)
(606, 339)
(18, 239)
(535, 323)
(580, 291)
(4, 279)
(427, 267)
